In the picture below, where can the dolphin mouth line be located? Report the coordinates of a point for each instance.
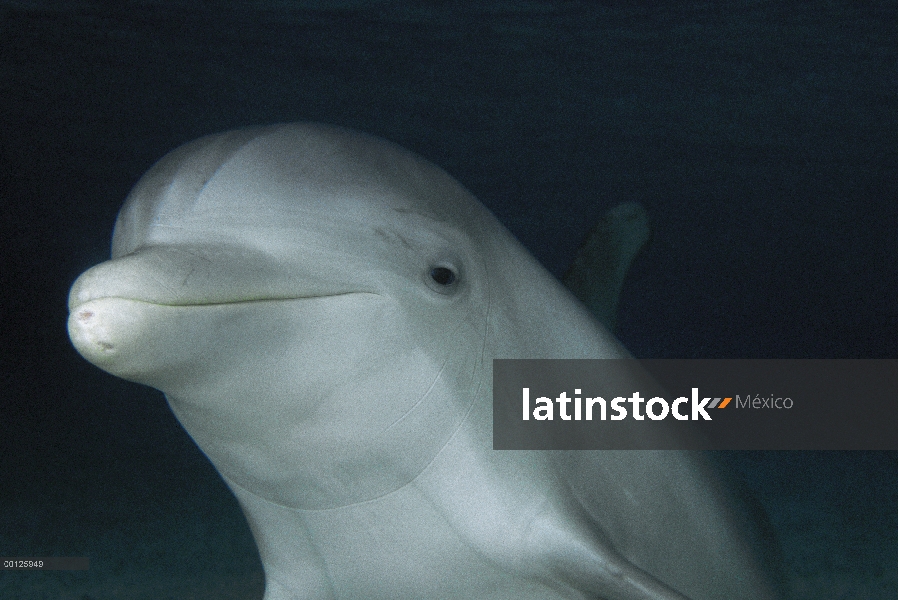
(216, 302)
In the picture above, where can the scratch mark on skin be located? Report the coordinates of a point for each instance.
(197, 254)
(186, 277)
(391, 236)
(163, 284)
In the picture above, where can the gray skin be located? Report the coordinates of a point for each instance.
(321, 309)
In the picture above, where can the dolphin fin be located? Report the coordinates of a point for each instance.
(596, 276)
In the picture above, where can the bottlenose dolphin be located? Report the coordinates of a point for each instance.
(321, 309)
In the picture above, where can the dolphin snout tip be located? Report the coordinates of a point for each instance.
(90, 333)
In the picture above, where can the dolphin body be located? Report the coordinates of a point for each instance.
(321, 309)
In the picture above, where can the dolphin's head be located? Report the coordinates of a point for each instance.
(305, 296)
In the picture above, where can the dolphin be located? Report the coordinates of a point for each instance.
(321, 309)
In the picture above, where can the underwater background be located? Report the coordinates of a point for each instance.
(761, 136)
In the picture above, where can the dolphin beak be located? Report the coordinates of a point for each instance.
(199, 275)
(140, 314)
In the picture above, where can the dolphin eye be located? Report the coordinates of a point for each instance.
(443, 275)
